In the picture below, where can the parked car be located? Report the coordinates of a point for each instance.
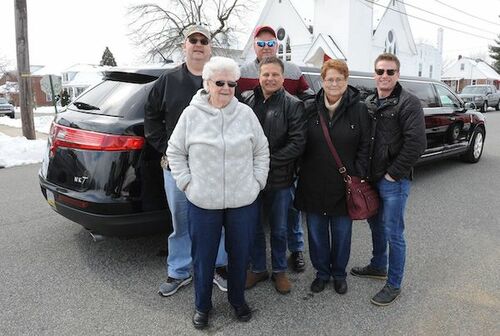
(101, 173)
(483, 96)
(453, 128)
(6, 109)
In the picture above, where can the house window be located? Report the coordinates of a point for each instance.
(288, 49)
(285, 50)
(390, 43)
(420, 70)
(430, 71)
(462, 67)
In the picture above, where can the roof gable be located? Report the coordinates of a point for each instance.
(396, 10)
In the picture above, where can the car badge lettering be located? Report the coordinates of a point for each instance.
(80, 179)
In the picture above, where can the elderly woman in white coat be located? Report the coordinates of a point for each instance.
(219, 156)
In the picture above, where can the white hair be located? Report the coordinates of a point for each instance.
(219, 64)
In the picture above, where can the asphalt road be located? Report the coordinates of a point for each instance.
(54, 280)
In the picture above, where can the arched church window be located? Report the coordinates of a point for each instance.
(288, 51)
(280, 51)
(390, 43)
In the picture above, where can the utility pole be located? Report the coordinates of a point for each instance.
(23, 68)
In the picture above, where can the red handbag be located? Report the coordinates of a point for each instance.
(361, 198)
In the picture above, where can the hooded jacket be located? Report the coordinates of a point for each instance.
(399, 134)
(218, 157)
(321, 188)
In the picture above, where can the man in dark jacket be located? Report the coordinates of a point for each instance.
(265, 44)
(399, 141)
(170, 95)
(282, 118)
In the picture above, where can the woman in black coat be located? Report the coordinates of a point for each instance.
(321, 189)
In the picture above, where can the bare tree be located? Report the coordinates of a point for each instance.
(162, 29)
(4, 64)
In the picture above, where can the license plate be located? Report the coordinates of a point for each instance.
(50, 198)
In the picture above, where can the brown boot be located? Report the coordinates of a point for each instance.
(254, 278)
(281, 282)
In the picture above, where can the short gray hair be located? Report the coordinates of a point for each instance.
(219, 64)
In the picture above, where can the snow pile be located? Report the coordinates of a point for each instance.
(42, 123)
(16, 151)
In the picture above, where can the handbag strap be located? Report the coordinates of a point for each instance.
(340, 165)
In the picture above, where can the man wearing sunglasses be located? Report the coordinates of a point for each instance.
(398, 121)
(282, 118)
(266, 45)
(170, 95)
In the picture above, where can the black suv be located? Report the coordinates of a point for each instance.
(101, 173)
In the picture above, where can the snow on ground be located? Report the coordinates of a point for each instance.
(42, 123)
(16, 151)
(41, 109)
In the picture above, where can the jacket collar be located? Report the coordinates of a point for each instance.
(391, 100)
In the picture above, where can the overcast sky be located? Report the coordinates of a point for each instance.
(65, 32)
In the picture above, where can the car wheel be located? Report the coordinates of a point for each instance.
(454, 132)
(12, 115)
(475, 150)
(484, 108)
(497, 108)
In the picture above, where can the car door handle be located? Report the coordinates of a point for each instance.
(452, 118)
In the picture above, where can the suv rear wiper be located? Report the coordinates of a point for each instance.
(85, 106)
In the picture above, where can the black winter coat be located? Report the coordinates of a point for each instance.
(171, 94)
(400, 134)
(321, 188)
(282, 117)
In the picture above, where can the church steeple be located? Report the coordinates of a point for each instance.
(349, 24)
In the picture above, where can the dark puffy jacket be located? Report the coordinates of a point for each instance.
(321, 188)
(171, 94)
(282, 117)
(399, 136)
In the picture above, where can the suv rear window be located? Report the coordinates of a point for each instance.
(113, 98)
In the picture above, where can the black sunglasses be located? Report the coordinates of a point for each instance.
(220, 83)
(269, 43)
(390, 72)
(194, 40)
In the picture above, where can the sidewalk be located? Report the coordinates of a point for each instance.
(15, 132)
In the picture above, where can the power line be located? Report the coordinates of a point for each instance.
(432, 22)
(443, 17)
(464, 12)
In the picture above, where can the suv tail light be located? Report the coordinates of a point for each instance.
(62, 136)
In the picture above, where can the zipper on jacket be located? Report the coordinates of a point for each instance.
(223, 162)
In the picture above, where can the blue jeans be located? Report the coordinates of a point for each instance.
(205, 227)
(295, 235)
(179, 241)
(388, 230)
(329, 244)
(275, 204)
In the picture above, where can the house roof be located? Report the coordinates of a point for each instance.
(263, 20)
(476, 69)
(323, 44)
(400, 9)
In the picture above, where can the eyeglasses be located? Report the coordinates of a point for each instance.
(262, 44)
(390, 72)
(221, 83)
(332, 81)
(194, 40)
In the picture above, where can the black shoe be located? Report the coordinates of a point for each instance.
(200, 320)
(297, 261)
(340, 286)
(386, 296)
(369, 272)
(318, 285)
(243, 313)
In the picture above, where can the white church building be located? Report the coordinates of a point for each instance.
(343, 29)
